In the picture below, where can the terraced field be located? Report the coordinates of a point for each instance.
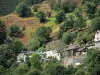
(8, 6)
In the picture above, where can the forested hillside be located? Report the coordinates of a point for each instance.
(49, 37)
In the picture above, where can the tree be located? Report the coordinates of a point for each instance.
(23, 10)
(17, 46)
(34, 44)
(2, 32)
(67, 37)
(95, 24)
(22, 69)
(91, 8)
(35, 61)
(79, 23)
(34, 72)
(42, 34)
(68, 23)
(60, 17)
(6, 53)
(92, 62)
(15, 30)
(41, 16)
(2, 69)
(68, 6)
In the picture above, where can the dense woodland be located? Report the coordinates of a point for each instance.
(77, 25)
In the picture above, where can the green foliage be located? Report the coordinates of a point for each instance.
(67, 37)
(79, 23)
(23, 10)
(35, 61)
(97, 2)
(91, 9)
(2, 32)
(41, 49)
(97, 13)
(41, 16)
(68, 6)
(5, 55)
(15, 30)
(92, 62)
(2, 69)
(22, 69)
(68, 23)
(34, 44)
(42, 34)
(95, 24)
(17, 46)
(60, 17)
(34, 72)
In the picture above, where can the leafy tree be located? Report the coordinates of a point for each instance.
(5, 55)
(35, 61)
(91, 8)
(15, 30)
(67, 37)
(34, 72)
(42, 34)
(97, 13)
(68, 6)
(17, 46)
(80, 71)
(34, 44)
(92, 62)
(22, 69)
(60, 17)
(2, 32)
(23, 10)
(95, 24)
(41, 16)
(79, 23)
(2, 69)
(68, 23)
(97, 2)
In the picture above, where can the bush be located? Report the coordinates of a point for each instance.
(68, 6)
(23, 10)
(15, 30)
(60, 17)
(95, 24)
(68, 23)
(79, 23)
(34, 44)
(43, 34)
(67, 37)
(41, 16)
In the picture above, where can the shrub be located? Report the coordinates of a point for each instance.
(60, 17)
(23, 10)
(67, 37)
(41, 16)
(15, 30)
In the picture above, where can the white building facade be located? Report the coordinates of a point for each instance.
(53, 54)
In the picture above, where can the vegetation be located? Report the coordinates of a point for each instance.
(23, 10)
(63, 23)
(60, 17)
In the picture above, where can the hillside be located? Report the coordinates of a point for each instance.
(7, 6)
